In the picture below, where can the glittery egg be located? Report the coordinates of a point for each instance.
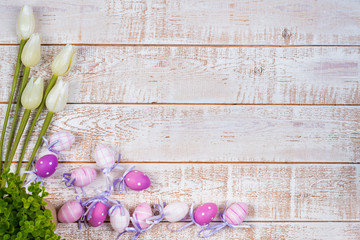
(46, 165)
(104, 156)
(137, 180)
(205, 213)
(83, 176)
(64, 141)
(142, 212)
(236, 213)
(118, 221)
(70, 212)
(174, 212)
(98, 214)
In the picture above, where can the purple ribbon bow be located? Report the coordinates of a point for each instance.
(106, 171)
(69, 182)
(90, 204)
(51, 145)
(218, 227)
(121, 181)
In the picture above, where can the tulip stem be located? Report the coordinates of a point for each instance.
(48, 89)
(43, 130)
(11, 97)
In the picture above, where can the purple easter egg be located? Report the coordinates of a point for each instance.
(98, 214)
(46, 165)
(141, 213)
(205, 213)
(137, 180)
(70, 212)
(83, 176)
(236, 213)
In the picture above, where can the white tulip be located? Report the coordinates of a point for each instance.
(26, 23)
(32, 51)
(64, 60)
(33, 93)
(58, 96)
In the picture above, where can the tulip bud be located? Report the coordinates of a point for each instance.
(32, 51)
(64, 60)
(33, 93)
(26, 23)
(57, 98)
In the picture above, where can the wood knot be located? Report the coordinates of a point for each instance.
(286, 34)
(258, 70)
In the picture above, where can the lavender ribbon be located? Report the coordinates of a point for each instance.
(106, 172)
(36, 177)
(69, 182)
(218, 227)
(78, 198)
(118, 205)
(90, 204)
(191, 219)
(121, 181)
(50, 147)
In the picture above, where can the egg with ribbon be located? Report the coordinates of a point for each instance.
(70, 212)
(83, 176)
(175, 212)
(61, 141)
(141, 213)
(46, 165)
(236, 213)
(104, 156)
(137, 180)
(120, 219)
(205, 213)
(98, 214)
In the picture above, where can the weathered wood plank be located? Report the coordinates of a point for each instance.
(281, 192)
(190, 22)
(304, 75)
(265, 231)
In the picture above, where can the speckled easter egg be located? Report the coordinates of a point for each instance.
(174, 212)
(205, 213)
(46, 165)
(70, 212)
(236, 213)
(83, 176)
(118, 221)
(143, 212)
(137, 180)
(98, 214)
(65, 140)
(104, 156)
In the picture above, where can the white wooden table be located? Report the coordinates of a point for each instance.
(253, 101)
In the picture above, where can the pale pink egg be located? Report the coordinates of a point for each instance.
(70, 212)
(205, 213)
(104, 156)
(236, 213)
(83, 176)
(118, 221)
(137, 180)
(46, 165)
(65, 140)
(98, 214)
(174, 212)
(142, 212)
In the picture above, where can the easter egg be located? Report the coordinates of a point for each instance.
(83, 176)
(46, 165)
(142, 212)
(118, 221)
(174, 212)
(64, 141)
(236, 213)
(70, 212)
(137, 180)
(104, 156)
(98, 214)
(205, 213)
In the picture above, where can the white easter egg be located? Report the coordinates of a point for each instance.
(104, 156)
(62, 140)
(174, 212)
(118, 221)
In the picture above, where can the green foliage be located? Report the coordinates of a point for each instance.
(22, 215)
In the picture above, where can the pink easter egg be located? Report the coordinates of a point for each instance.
(141, 213)
(104, 156)
(118, 221)
(236, 213)
(137, 180)
(205, 213)
(83, 176)
(70, 212)
(65, 140)
(46, 165)
(98, 214)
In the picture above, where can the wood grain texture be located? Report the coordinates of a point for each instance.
(304, 75)
(190, 22)
(278, 192)
(263, 231)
